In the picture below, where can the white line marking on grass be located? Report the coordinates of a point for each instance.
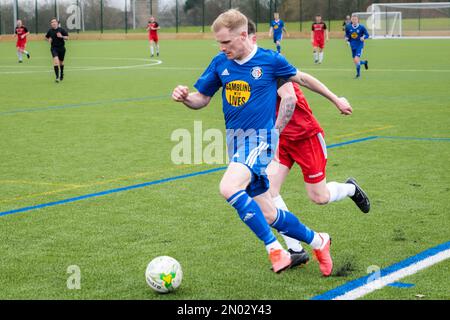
(155, 64)
(362, 286)
(395, 276)
(28, 66)
(152, 62)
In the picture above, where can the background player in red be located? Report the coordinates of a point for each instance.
(152, 29)
(319, 34)
(302, 142)
(21, 33)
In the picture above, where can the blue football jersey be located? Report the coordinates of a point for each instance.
(354, 34)
(249, 88)
(277, 28)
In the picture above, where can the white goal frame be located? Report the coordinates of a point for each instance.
(378, 9)
(374, 27)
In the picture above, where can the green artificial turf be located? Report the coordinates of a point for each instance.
(109, 125)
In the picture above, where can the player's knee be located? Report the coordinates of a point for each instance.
(319, 198)
(274, 192)
(226, 189)
(270, 217)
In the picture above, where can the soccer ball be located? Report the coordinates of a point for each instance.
(164, 274)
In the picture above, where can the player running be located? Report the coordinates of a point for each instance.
(277, 28)
(57, 36)
(304, 130)
(355, 35)
(302, 142)
(21, 33)
(152, 29)
(248, 76)
(319, 34)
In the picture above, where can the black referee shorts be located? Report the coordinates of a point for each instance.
(58, 52)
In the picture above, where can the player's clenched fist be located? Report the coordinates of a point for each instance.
(180, 93)
(344, 106)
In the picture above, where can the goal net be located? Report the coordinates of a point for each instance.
(421, 20)
(382, 24)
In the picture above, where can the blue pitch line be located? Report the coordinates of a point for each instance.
(349, 286)
(86, 104)
(352, 142)
(106, 192)
(401, 285)
(146, 184)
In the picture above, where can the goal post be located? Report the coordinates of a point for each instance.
(408, 20)
(382, 24)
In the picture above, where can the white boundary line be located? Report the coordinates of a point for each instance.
(152, 62)
(156, 64)
(364, 285)
(395, 276)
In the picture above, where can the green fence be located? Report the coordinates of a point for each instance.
(186, 15)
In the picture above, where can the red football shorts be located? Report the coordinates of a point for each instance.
(153, 37)
(319, 43)
(21, 45)
(310, 154)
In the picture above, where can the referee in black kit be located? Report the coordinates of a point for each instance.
(57, 36)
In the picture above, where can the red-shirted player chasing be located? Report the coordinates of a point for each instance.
(152, 29)
(302, 142)
(21, 33)
(319, 34)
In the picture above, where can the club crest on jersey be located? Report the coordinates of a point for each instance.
(354, 35)
(257, 73)
(237, 93)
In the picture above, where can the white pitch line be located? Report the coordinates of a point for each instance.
(159, 62)
(153, 62)
(395, 276)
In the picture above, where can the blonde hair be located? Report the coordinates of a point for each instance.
(232, 20)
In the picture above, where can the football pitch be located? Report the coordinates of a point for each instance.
(87, 180)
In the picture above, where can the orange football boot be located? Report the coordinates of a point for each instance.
(323, 255)
(280, 259)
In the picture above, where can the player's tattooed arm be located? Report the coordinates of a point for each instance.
(194, 100)
(313, 84)
(287, 106)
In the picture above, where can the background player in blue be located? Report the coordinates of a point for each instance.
(276, 29)
(248, 76)
(355, 35)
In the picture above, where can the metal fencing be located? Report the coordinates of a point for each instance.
(176, 15)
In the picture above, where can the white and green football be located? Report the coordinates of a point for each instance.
(164, 274)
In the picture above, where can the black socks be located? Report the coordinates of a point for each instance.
(56, 71)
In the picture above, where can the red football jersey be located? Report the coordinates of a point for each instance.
(20, 32)
(319, 31)
(303, 124)
(153, 25)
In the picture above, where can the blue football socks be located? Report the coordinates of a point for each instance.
(251, 214)
(288, 224)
